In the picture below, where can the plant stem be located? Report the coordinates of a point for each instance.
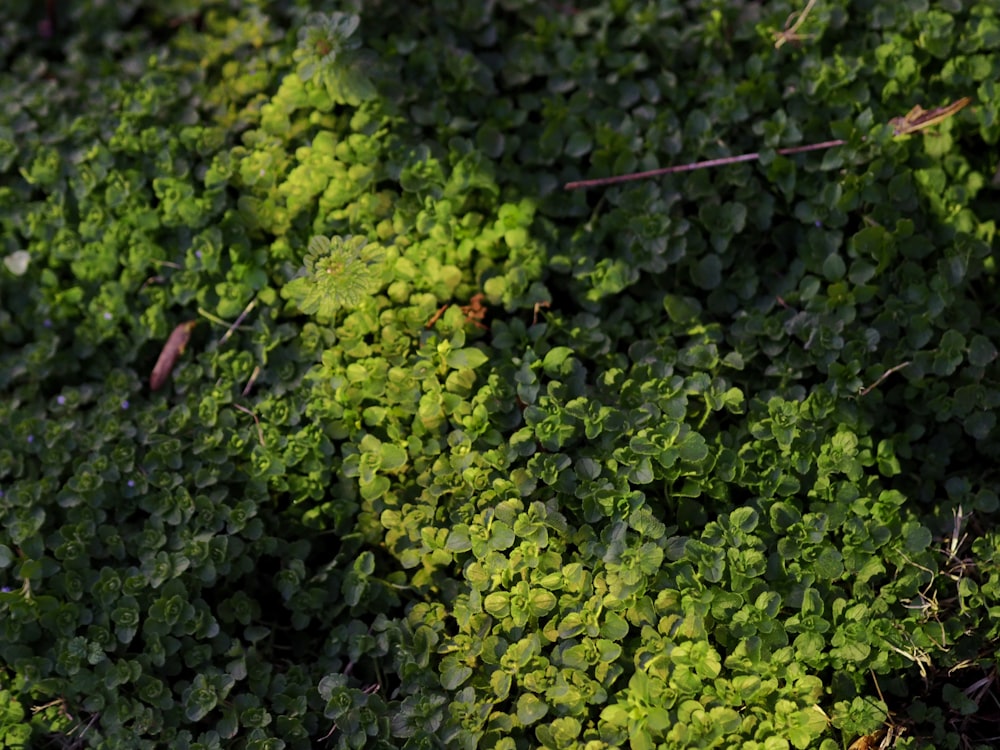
(601, 181)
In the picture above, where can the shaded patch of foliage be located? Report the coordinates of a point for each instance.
(717, 472)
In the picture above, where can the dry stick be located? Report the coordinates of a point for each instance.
(538, 307)
(885, 374)
(235, 325)
(89, 724)
(790, 34)
(601, 181)
(169, 264)
(152, 280)
(916, 119)
(232, 327)
(253, 379)
(225, 337)
(958, 517)
(260, 432)
(437, 316)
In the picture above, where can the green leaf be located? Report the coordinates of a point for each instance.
(459, 539)
(747, 686)
(874, 242)
(615, 714)
(339, 272)
(916, 538)
(470, 357)
(707, 273)
(744, 519)
(693, 448)
(490, 140)
(682, 310)
(530, 709)
(541, 603)
(980, 425)
(958, 700)
(981, 351)
(392, 457)
(829, 564)
(578, 144)
(805, 727)
(497, 604)
(554, 359)
(454, 672)
(376, 488)
(834, 268)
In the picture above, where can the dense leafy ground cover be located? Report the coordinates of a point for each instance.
(705, 461)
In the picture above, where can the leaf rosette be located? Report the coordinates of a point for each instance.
(339, 273)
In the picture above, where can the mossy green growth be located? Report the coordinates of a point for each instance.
(339, 273)
(468, 460)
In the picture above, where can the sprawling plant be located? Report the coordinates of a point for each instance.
(339, 273)
(456, 457)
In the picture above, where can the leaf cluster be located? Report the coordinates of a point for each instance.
(707, 462)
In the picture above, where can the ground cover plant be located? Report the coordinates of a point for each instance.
(329, 418)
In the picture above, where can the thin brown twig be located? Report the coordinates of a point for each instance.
(916, 119)
(251, 381)
(169, 264)
(437, 316)
(329, 734)
(88, 724)
(152, 280)
(790, 33)
(538, 308)
(239, 319)
(884, 375)
(601, 181)
(260, 432)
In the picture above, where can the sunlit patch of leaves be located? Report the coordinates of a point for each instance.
(339, 273)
